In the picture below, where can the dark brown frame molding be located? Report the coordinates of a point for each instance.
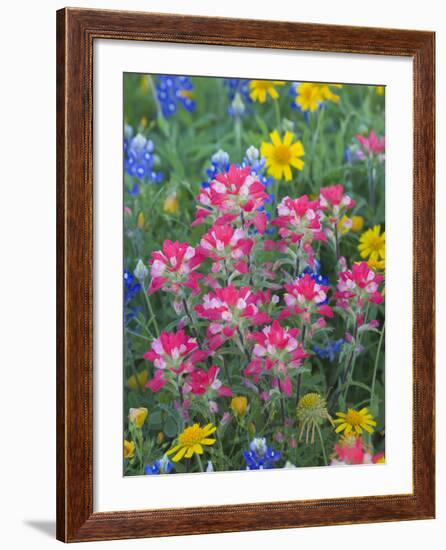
(76, 31)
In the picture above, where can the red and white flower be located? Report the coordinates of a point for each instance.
(231, 195)
(360, 284)
(276, 349)
(305, 297)
(227, 247)
(172, 354)
(201, 382)
(372, 144)
(173, 267)
(334, 202)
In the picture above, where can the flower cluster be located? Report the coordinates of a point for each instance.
(139, 158)
(172, 91)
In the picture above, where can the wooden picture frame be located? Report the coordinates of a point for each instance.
(77, 29)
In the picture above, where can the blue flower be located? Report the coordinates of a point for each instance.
(330, 350)
(131, 289)
(315, 274)
(219, 164)
(260, 456)
(238, 95)
(139, 159)
(161, 466)
(174, 90)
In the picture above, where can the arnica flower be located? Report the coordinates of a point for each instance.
(330, 350)
(172, 354)
(239, 405)
(138, 416)
(161, 466)
(201, 382)
(231, 195)
(174, 90)
(276, 349)
(354, 421)
(372, 144)
(372, 244)
(260, 456)
(229, 309)
(311, 412)
(139, 159)
(192, 440)
(260, 89)
(171, 204)
(282, 155)
(229, 249)
(360, 283)
(173, 268)
(306, 297)
(137, 381)
(129, 449)
(310, 95)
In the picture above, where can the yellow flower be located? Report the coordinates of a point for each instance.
(282, 155)
(160, 438)
(344, 225)
(171, 205)
(138, 416)
(140, 220)
(378, 265)
(129, 449)
(357, 223)
(381, 459)
(310, 95)
(380, 90)
(191, 441)
(144, 83)
(372, 244)
(355, 421)
(135, 382)
(311, 412)
(260, 88)
(239, 405)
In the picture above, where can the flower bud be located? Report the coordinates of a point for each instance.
(141, 271)
(138, 416)
(239, 405)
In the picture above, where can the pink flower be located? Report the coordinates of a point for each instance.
(335, 202)
(172, 354)
(360, 283)
(231, 195)
(229, 307)
(306, 297)
(276, 349)
(299, 220)
(174, 267)
(372, 144)
(201, 382)
(350, 451)
(228, 247)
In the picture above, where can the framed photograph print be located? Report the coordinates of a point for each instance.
(245, 221)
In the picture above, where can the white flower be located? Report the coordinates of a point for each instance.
(141, 271)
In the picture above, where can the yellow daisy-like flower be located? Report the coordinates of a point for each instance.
(259, 89)
(129, 449)
(310, 95)
(357, 223)
(380, 90)
(191, 441)
(354, 421)
(138, 416)
(376, 264)
(137, 381)
(282, 155)
(171, 204)
(372, 244)
(239, 405)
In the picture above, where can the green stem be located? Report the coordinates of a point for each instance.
(375, 369)
(322, 444)
(238, 134)
(278, 117)
(200, 465)
(152, 314)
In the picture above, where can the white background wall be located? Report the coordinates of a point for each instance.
(27, 135)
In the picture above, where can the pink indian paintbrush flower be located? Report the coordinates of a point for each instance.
(276, 350)
(359, 284)
(172, 354)
(173, 267)
(227, 247)
(306, 297)
(201, 382)
(232, 195)
(335, 202)
(372, 143)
